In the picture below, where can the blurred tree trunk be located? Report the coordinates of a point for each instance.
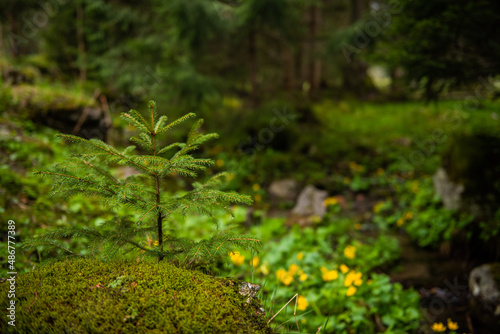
(355, 74)
(14, 27)
(2, 46)
(252, 53)
(305, 52)
(310, 49)
(80, 36)
(289, 81)
(316, 60)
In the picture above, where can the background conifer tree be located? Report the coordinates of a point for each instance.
(89, 174)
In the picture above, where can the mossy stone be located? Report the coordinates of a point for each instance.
(90, 296)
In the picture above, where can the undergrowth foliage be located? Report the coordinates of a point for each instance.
(89, 174)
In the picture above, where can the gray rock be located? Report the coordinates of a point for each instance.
(484, 283)
(284, 190)
(310, 202)
(449, 192)
(248, 289)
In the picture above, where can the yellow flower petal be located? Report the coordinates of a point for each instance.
(452, 325)
(237, 258)
(438, 327)
(255, 262)
(302, 303)
(350, 252)
(293, 269)
(352, 290)
(330, 275)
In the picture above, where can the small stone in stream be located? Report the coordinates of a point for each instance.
(484, 283)
(310, 204)
(283, 190)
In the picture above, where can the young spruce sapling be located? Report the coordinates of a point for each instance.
(89, 174)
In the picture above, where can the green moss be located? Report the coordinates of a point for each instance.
(43, 98)
(88, 296)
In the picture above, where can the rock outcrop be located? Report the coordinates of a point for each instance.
(484, 285)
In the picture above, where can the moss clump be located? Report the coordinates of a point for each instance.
(88, 296)
(38, 98)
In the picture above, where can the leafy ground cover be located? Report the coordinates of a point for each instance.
(339, 267)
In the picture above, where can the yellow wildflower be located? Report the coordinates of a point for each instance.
(352, 290)
(355, 167)
(256, 187)
(350, 252)
(156, 243)
(302, 303)
(257, 197)
(237, 258)
(293, 269)
(254, 262)
(263, 269)
(353, 277)
(400, 222)
(300, 256)
(330, 275)
(357, 226)
(323, 269)
(303, 277)
(330, 201)
(408, 215)
(438, 327)
(452, 325)
(287, 280)
(344, 268)
(219, 162)
(280, 273)
(284, 276)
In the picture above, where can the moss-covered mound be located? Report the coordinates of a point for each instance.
(88, 296)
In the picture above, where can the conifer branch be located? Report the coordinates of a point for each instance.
(79, 179)
(176, 122)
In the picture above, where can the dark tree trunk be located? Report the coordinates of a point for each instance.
(315, 48)
(252, 53)
(80, 37)
(289, 68)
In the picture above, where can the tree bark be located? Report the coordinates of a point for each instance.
(13, 30)
(252, 53)
(80, 36)
(305, 51)
(315, 46)
(289, 68)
